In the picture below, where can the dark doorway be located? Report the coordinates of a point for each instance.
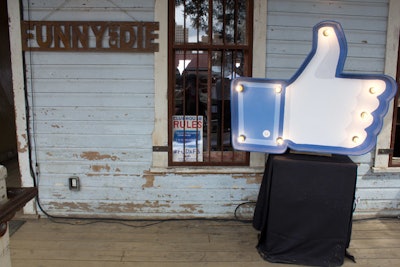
(8, 140)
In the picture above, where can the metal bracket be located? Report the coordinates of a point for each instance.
(385, 151)
(160, 149)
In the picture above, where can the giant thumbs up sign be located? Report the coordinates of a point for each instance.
(320, 109)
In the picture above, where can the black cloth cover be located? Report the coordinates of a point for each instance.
(304, 209)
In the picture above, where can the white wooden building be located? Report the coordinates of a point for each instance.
(103, 116)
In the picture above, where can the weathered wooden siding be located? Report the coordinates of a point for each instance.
(289, 33)
(289, 36)
(92, 113)
(93, 116)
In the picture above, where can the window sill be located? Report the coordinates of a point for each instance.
(386, 170)
(208, 170)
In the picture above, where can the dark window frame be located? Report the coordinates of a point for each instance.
(394, 155)
(219, 157)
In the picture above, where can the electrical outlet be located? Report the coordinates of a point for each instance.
(74, 183)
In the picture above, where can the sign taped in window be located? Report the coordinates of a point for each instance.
(187, 143)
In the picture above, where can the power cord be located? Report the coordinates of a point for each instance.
(127, 222)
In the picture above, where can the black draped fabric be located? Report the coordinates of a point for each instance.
(304, 209)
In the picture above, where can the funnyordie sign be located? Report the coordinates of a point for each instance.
(90, 36)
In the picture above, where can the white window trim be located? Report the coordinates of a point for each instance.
(160, 137)
(17, 67)
(381, 163)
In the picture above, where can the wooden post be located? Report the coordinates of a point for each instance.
(17, 69)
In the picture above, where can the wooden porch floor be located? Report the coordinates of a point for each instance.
(176, 243)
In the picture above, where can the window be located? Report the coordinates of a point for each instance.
(394, 156)
(394, 159)
(209, 44)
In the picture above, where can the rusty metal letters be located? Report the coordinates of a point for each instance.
(87, 36)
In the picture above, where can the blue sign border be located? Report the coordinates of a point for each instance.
(372, 131)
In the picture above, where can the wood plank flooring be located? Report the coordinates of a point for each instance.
(43, 243)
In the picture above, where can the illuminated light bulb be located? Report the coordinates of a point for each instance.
(278, 89)
(364, 115)
(279, 141)
(327, 32)
(355, 139)
(372, 90)
(239, 88)
(241, 138)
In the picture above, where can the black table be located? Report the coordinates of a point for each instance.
(304, 209)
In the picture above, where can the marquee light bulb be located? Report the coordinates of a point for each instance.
(327, 32)
(241, 138)
(278, 89)
(239, 88)
(356, 139)
(279, 141)
(364, 115)
(373, 90)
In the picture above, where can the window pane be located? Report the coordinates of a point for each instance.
(226, 65)
(191, 82)
(201, 92)
(395, 157)
(229, 21)
(396, 150)
(241, 22)
(191, 21)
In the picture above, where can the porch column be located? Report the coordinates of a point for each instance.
(17, 69)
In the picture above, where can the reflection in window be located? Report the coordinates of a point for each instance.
(209, 48)
(394, 156)
(227, 20)
(395, 144)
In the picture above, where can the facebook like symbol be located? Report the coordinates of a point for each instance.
(320, 109)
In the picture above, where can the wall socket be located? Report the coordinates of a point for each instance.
(74, 183)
